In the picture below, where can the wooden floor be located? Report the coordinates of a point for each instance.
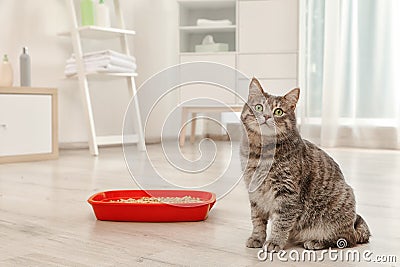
(46, 221)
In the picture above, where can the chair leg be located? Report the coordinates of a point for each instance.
(193, 129)
(182, 134)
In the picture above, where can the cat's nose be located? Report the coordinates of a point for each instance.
(267, 117)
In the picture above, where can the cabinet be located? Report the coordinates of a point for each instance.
(28, 124)
(269, 65)
(268, 26)
(269, 44)
(277, 73)
(263, 43)
(191, 34)
(206, 91)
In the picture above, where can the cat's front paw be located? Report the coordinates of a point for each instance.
(255, 242)
(271, 246)
(314, 245)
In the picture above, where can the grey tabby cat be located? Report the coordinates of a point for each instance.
(300, 188)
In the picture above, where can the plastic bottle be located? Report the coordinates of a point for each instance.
(25, 67)
(102, 14)
(6, 73)
(87, 12)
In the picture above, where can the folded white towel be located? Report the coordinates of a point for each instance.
(102, 61)
(106, 53)
(215, 23)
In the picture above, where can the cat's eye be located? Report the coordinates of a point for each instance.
(259, 108)
(278, 112)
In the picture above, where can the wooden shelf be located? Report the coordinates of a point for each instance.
(207, 29)
(95, 32)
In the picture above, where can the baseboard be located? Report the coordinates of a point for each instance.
(155, 140)
(85, 145)
(73, 145)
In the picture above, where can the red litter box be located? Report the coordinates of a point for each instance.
(106, 210)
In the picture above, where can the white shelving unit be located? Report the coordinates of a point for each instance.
(191, 34)
(263, 42)
(77, 34)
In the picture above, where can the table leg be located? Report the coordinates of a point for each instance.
(182, 135)
(193, 129)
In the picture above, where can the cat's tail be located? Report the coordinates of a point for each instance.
(362, 230)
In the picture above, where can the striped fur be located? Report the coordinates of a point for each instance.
(291, 182)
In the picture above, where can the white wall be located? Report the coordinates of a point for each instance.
(156, 46)
(35, 24)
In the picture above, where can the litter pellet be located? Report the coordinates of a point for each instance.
(147, 200)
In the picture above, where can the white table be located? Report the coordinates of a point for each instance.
(186, 110)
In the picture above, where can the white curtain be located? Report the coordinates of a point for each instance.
(352, 73)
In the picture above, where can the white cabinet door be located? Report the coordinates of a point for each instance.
(266, 66)
(268, 26)
(226, 59)
(208, 94)
(25, 124)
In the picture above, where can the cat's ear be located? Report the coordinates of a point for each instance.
(255, 88)
(292, 97)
